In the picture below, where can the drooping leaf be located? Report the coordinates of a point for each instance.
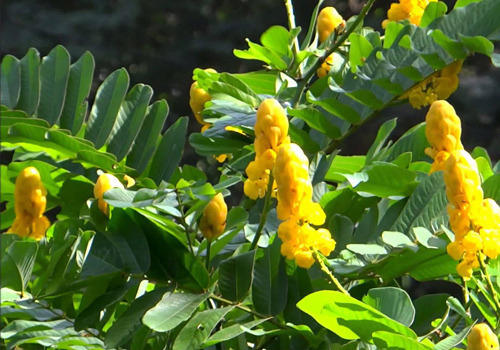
(105, 109)
(54, 73)
(79, 84)
(30, 82)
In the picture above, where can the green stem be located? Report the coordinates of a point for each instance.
(265, 210)
(291, 25)
(305, 81)
(493, 292)
(184, 223)
(207, 261)
(326, 270)
(247, 309)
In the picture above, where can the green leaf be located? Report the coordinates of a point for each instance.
(169, 151)
(478, 44)
(54, 72)
(10, 81)
(392, 341)
(269, 286)
(432, 11)
(79, 84)
(316, 120)
(382, 135)
(491, 187)
(17, 262)
(392, 302)
(426, 206)
(230, 332)
(91, 314)
(106, 106)
(414, 141)
(30, 82)
(451, 341)
(178, 307)
(359, 51)
(198, 328)
(347, 317)
(170, 258)
(261, 82)
(277, 38)
(129, 121)
(130, 321)
(344, 165)
(462, 3)
(145, 143)
(235, 276)
(207, 146)
(387, 180)
(427, 309)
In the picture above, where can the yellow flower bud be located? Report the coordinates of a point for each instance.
(197, 99)
(104, 183)
(443, 127)
(328, 20)
(30, 202)
(481, 337)
(213, 220)
(325, 67)
(271, 126)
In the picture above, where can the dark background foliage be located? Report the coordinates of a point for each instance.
(161, 42)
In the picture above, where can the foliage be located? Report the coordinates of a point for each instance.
(145, 277)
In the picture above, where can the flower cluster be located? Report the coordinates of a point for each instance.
(474, 220)
(328, 21)
(481, 337)
(297, 210)
(271, 131)
(438, 86)
(411, 10)
(30, 201)
(443, 132)
(213, 220)
(104, 183)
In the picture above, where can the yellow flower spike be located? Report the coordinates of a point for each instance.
(30, 202)
(325, 67)
(104, 183)
(213, 220)
(328, 20)
(443, 131)
(481, 337)
(271, 126)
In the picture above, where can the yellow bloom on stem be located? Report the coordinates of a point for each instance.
(481, 337)
(213, 220)
(271, 131)
(438, 86)
(30, 201)
(328, 21)
(325, 67)
(197, 99)
(411, 10)
(104, 183)
(297, 210)
(443, 130)
(474, 220)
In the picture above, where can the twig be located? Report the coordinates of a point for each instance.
(305, 81)
(326, 270)
(265, 210)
